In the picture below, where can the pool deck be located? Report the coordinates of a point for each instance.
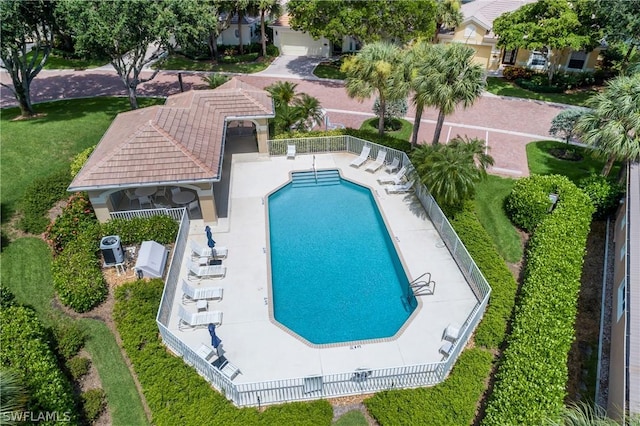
(264, 351)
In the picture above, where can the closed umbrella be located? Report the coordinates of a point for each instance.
(215, 340)
(210, 242)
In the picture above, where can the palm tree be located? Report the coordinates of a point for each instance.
(282, 92)
(448, 15)
(376, 69)
(445, 78)
(241, 8)
(13, 396)
(613, 124)
(417, 55)
(310, 109)
(270, 8)
(293, 110)
(451, 171)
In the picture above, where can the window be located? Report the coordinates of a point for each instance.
(537, 60)
(509, 57)
(470, 31)
(623, 251)
(622, 295)
(623, 221)
(237, 33)
(577, 60)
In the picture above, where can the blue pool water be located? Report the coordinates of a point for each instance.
(336, 276)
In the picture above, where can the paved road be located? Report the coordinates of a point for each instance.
(506, 124)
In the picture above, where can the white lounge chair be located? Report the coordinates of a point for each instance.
(399, 189)
(364, 155)
(197, 319)
(192, 294)
(198, 251)
(211, 271)
(206, 353)
(291, 151)
(394, 179)
(451, 333)
(373, 167)
(395, 165)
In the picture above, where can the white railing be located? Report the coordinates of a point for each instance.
(175, 214)
(350, 382)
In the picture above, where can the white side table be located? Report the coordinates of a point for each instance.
(202, 305)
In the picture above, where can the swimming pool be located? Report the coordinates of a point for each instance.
(335, 274)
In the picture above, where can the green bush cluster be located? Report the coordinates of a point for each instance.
(493, 327)
(176, 394)
(40, 196)
(369, 135)
(24, 348)
(531, 380)
(162, 229)
(529, 202)
(79, 160)
(539, 84)
(512, 73)
(604, 194)
(78, 367)
(452, 402)
(77, 275)
(69, 335)
(94, 401)
(6, 297)
(76, 217)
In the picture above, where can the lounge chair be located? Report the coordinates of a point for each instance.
(394, 179)
(291, 151)
(211, 271)
(373, 167)
(451, 333)
(399, 189)
(395, 165)
(197, 319)
(198, 251)
(206, 353)
(364, 155)
(192, 294)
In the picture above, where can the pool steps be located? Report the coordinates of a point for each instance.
(324, 178)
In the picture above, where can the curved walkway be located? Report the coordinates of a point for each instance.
(506, 124)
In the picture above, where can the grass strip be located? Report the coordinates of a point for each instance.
(500, 86)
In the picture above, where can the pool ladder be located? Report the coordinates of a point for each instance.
(423, 287)
(315, 171)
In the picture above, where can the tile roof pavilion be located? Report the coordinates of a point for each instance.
(179, 142)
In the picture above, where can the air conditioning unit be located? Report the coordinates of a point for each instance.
(112, 250)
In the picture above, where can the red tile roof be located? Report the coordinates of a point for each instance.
(180, 141)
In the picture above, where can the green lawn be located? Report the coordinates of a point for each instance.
(26, 272)
(329, 70)
(56, 62)
(352, 418)
(403, 133)
(37, 147)
(179, 62)
(502, 87)
(543, 163)
(489, 202)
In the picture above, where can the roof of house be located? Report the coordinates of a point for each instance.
(485, 12)
(282, 21)
(180, 141)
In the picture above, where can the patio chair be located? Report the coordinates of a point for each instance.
(145, 200)
(364, 155)
(399, 189)
(394, 179)
(175, 190)
(225, 367)
(193, 206)
(198, 251)
(451, 333)
(373, 167)
(162, 193)
(395, 165)
(197, 319)
(203, 272)
(193, 294)
(446, 349)
(206, 353)
(291, 151)
(131, 196)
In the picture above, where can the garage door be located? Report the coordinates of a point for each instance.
(300, 44)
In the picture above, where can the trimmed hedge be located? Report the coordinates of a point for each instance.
(369, 135)
(24, 347)
(78, 161)
(452, 402)
(94, 401)
(76, 217)
(161, 229)
(78, 367)
(528, 204)
(492, 329)
(40, 196)
(604, 194)
(531, 381)
(175, 392)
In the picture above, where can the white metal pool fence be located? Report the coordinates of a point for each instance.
(350, 382)
(175, 214)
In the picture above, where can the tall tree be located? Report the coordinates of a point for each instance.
(448, 15)
(376, 69)
(621, 22)
(240, 7)
(444, 76)
(123, 31)
(271, 9)
(613, 124)
(298, 111)
(548, 24)
(27, 27)
(365, 20)
(563, 125)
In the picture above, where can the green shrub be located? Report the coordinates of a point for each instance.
(511, 73)
(94, 402)
(6, 297)
(40, 196)
(79, 160)
(161, 229)
(529, 200)
(69, 335)
(604, 194)
(76, 217)
(492, 329)
(531, 380)
(78, 367)
(24, 348)
(272, 50)
(452, 402)
(76, 273)
(174, 391)
(538, 86)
